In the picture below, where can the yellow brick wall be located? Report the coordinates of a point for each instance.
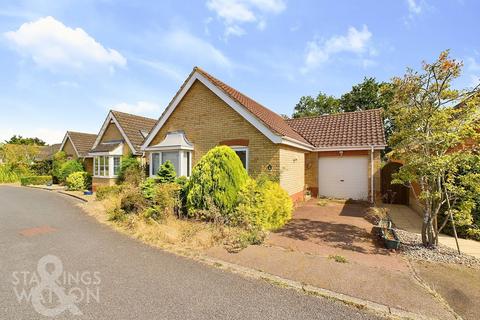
(292, 169)
(88, 163)
(207, 120)
(69, 150)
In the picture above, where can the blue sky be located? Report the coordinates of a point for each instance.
(65, 63)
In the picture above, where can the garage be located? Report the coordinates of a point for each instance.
(343, 177)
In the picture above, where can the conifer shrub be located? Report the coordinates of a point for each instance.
(166, 173)
(216, 179)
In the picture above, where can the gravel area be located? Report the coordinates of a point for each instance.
(411, 246)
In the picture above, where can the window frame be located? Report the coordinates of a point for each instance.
(104, 166)
(181, 159)
(247, 154)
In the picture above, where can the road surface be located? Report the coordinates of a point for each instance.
(111, 276)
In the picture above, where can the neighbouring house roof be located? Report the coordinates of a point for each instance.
(47, 152)
(349, 129)
(82, 142)
(132, 127)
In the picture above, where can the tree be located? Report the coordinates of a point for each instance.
(166, 172)
(430, 133)
(26, 141)
(367, 95)
(215, 183)
(130, 169)
(322, 104)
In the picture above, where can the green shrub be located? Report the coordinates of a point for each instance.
(59, 159)
(116, 214)
(35, 180)
(217, 177)
(156, 213)
(166, 172)
(148, 188)
(166, 196)
(263, 205)
(130, 170)
(42, 168)
(68, 168)
(103, 192)
(132, 200)
(78, 181)
(7, 174)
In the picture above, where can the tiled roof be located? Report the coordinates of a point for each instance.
(272, 120)
(106, 147)
(134, 127)
(349, 129)
(47, 152)
(83, 142)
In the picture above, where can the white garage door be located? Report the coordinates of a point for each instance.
(343, 177)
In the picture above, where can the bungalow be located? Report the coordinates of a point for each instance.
(121, 134)
(77, 145)
(331, 155)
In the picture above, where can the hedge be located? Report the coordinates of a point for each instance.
(35, 180)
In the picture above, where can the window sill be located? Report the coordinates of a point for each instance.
(105, 177)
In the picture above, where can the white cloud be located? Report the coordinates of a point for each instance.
(355, 41)
(183, 42)
(140, 107)
(414, 7)
(236, 12)
(56, 47)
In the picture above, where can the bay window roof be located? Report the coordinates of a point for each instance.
(174, 140)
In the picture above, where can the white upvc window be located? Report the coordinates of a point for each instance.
(242, 153)
(181, 160)
(106, 166)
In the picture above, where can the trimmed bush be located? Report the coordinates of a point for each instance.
(166, 172)
(263, 205)
(35, 180)
(217, 179)
(103, 192)
(78, 181)
(68, 168)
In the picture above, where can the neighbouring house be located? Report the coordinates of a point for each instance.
(47, 152)
(121, 134)
(332, 155)
(76, 145)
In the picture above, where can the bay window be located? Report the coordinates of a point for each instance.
(106, 166)
(181, 160)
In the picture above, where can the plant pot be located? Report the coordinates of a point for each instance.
(390, 238)
(87, 193)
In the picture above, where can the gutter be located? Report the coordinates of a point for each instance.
(372, 195)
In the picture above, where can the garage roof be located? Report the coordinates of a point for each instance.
(348, 129)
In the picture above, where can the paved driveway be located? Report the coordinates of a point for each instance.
(136, 281)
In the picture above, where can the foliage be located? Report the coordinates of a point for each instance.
(166, 172)
(148, 188)
(43, 167)
(132, 200)
(69, 167)
(133, 176)
(155, 213)
(104, 192)
(322, 104)
(35, 180)
(216, 180)
(129, 168)
(59, 159)
(18, 155)
(430, 129)
(25, 141)
(9, 173)
(79, 180)
(367, 95)
(166, 196)
(338, 258)
(244, 239)
(264, 205)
